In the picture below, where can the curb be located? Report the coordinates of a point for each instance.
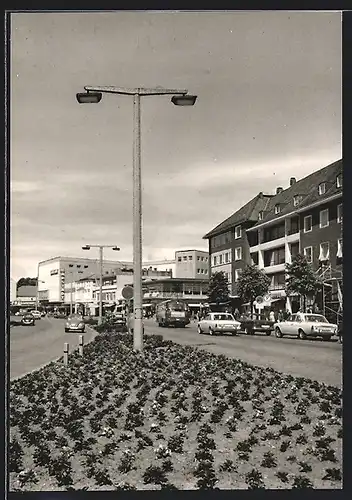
(13, 379)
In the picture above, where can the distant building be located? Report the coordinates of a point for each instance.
(191, 290)
(54, 274)
(26, 295)
(191, 264)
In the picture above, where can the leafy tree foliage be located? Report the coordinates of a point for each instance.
(26, 281)
(252, 282)
(218, 289)
(301, 279)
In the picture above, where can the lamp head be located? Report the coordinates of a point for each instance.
(89, 97)
(183, 100)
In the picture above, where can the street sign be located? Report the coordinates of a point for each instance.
(259, 299)
(127, 292)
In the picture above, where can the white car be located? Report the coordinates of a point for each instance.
(215, 323)
(36, 314)
(305, 325)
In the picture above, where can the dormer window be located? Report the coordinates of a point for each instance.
(277, 209)
(339, 181)
(297, 200)
(322, 188)
(260, 215)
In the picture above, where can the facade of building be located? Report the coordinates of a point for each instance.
(228, 244)
(191, 264)
(86, 291)
(194, 291)
(54, 274)
(305, 218)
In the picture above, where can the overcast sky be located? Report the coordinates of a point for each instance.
(268, 108)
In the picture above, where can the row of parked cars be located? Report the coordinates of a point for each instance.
(301, 325)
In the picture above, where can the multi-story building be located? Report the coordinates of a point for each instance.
(228, 244)
(304, 218)
(55, 273)
(191, 264)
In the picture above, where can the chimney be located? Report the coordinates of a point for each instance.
(279, 190)
(292, 181)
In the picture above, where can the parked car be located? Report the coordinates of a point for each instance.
(305, 325)
(75, 323)
(60, 315)
(256, 324)
(120, 322)
(28, 319)
(36, 314)
(217, 323)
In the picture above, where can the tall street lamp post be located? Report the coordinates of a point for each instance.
(101, 247)
(179, 98)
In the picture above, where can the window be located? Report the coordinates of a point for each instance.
(322, 188)
(324, 218)
(339, 181)
(215, 260)
(308, 253)
(198, 271)
(78, 266)
(220, 259)
(339, 213)
(206, 271)
(237, 274)
(238, 232)
(238, 253)
(226, 257)
(260, 215)
(277, 209)
(70, 265)
(324, 251)
(85, 267)
(307, 224)
(339, 248)
(190, 257)
(198, 258)
(179, 259)
(297, 200)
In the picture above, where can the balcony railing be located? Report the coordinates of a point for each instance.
(277, 286)
(274, 262)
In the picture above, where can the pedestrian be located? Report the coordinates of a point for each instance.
(237, 313)
(272, 316)
(280, 316)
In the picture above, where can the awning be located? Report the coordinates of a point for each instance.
(194, 305)
(147, 305)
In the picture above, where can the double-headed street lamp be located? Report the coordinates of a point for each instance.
(179, 98)
(101, 247)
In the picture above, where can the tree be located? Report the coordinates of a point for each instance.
(252, 283)
(301, 279)
(26, 281)
(218, 289)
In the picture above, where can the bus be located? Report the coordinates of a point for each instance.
(172, 313)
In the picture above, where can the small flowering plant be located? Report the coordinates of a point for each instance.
(162, 451)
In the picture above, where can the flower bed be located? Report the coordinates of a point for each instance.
(172, 417)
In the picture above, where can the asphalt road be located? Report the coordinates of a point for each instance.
(32, 347)
(314, 359)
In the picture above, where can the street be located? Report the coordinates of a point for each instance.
(313, 359)
(32, 347)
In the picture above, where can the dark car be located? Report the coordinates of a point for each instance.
(256, 324)
(28, 320)
(75, 323)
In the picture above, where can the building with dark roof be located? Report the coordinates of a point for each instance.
(228, 243)
(306, 218)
